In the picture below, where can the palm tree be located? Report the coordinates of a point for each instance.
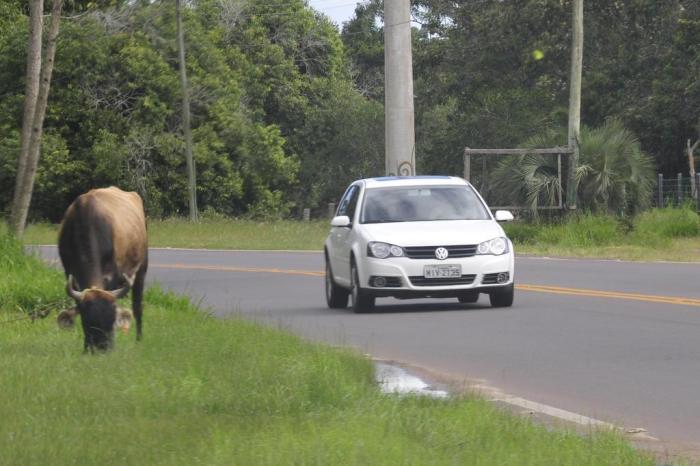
(613, 175)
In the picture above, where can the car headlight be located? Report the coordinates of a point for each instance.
(383, 250)
(496, 246)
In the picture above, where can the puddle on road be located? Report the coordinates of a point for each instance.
(395, 380)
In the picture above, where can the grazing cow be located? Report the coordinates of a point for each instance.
(104, 251)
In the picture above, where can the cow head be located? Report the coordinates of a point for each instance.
(99, 314)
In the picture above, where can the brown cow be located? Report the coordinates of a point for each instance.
(104, 250)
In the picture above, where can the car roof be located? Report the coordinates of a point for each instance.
(393, 181)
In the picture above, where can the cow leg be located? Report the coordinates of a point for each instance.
(137, 298)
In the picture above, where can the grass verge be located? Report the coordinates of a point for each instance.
(217, 233)
(200, 390)
(659, 234)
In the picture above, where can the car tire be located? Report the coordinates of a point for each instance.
(503, 297)
(468, 298)
(336, 296)
(360, 300)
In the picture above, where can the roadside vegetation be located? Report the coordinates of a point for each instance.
(216, 233)
(658, 234)
(200, 390)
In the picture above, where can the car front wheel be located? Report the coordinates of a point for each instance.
(361, 301)
(336, 296)
(503, 297)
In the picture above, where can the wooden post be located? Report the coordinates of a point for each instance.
(691, 164)
(467, 165)
(660, 195)
(561, 201)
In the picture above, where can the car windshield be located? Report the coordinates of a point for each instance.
(421, 204)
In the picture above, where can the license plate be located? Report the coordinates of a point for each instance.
(442, 271)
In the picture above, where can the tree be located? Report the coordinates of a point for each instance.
(29, 154)
(19, 211)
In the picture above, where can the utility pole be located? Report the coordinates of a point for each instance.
(400, 152)
(575, 99)
(186, 127)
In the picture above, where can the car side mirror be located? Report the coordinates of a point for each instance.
(340, 221)
(503, 216)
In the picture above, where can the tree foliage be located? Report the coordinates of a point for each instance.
(263, 78)
(286, 110)
(494, 73)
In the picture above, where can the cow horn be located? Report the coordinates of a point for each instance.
(72, 292)
(121, 292)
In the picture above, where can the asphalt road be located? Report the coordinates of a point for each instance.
(615, 341)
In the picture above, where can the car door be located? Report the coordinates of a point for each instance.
(341, 237)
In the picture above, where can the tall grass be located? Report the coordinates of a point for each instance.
(200, 390)
(666, 224)
(25, 284)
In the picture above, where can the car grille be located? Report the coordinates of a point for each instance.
(422, 281)
(492, 278)
(428, 252)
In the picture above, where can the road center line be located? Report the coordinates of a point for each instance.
(521, 287)
(610, 294)
(220, 268)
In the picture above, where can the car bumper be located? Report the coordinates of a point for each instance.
(405, 278)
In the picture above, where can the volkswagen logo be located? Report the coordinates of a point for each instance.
(441, 253)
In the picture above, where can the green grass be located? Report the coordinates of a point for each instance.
(217, 233)
(24, 282)
(201, 390)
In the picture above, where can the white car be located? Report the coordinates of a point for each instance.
(417, 237)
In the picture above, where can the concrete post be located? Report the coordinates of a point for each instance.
(400, 155)
(679, 189)
(660, 193)
(574, 136)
